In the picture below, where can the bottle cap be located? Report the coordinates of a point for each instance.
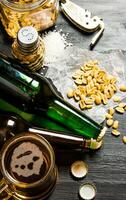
(79, 169)
(27, 36)
(94, 144)
(87, 191)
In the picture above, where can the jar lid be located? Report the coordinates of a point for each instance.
(79, 169)
(87, 191)
(27, 37)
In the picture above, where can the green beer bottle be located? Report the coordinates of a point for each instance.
(36, 99)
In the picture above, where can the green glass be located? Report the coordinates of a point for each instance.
(35, 98)
(31, 119)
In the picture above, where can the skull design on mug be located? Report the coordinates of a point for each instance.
(26, 160)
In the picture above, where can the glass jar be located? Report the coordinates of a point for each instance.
(40, 14)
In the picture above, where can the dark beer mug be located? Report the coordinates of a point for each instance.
(28, 168)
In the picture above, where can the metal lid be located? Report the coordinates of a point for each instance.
(94, 144)
(87, 191)
(79, 169)
(27, 37)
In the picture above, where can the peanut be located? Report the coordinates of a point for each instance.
(70, 93)
(115, 124)
(117, 99)
(109, 122)
(115, 132)
(97, 100)
(123, 88)
(82, 104)
(120, 110)
(78, 81)
(111, 111)
(108, 116)
(88, 106)
(89, 101)
(124, 139)
(122, 104)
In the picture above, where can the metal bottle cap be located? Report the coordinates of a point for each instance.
(79, 169)
(94, 144)
(87, 191)
(27, 36)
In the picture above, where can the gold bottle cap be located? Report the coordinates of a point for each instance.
(87, 191)
(94, 144)
(79, 169)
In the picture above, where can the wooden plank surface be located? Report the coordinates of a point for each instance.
(107, 167)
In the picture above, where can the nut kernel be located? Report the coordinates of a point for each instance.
(120, 110)
(82, 104)
(111, 111)
(123, 88)
(115, 124)
(104, 99)
(97, 100)
(117, 99)
(115, 132)
(122, 104)
(78, 81)
(89, 101)
(70, 93)
(124, 139)
(89, 106)
(109, 122)
(108, 116)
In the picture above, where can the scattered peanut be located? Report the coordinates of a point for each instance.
(89, 101)
(78, 81)
(82, 104)
(97, 100)
(76, 97)
(70, 93)
(120, 110)
(111, 111)
(109, 122)
(108, 116)
(117, 99)
(122, 104)
(115, 132)
(88, 106)
(123, 88)
(105, 100)
(115, 124)
(124, 139)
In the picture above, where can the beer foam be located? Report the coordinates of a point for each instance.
(26, 160)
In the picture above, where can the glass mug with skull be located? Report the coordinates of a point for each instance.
(28, 168)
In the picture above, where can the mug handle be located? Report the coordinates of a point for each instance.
(4, 191)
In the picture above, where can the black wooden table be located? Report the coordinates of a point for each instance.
(107, 166)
